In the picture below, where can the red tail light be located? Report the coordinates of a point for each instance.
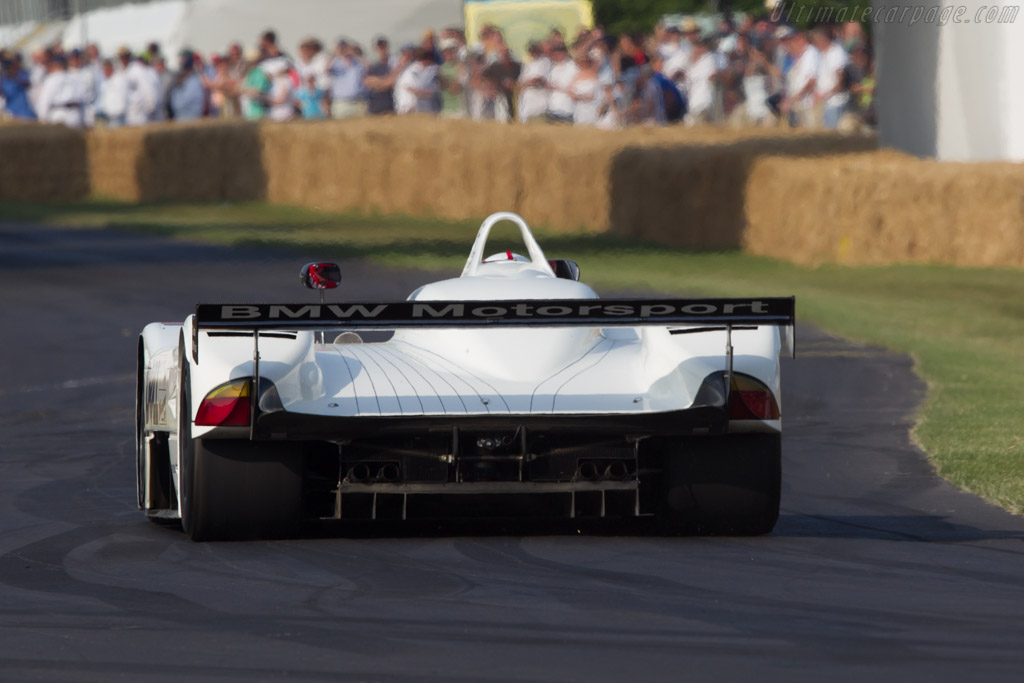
(226, 406)
(751, 399)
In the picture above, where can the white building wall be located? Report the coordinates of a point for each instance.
(952, 89)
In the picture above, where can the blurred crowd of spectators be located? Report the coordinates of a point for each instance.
(753, 73)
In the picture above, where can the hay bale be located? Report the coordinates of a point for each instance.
(692, 195)
(42, 163)
(201, 161)
(884, 208)
(555, 175)
(114, 156)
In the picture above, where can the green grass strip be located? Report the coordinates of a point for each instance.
(964, 327)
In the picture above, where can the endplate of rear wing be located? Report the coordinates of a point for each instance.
(722, 313)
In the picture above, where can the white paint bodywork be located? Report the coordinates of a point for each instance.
(464, 372)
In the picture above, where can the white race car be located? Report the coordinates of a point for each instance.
(510, 390)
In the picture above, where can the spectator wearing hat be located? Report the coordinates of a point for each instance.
(450, 70)
(15, 83)
(113, 102)
(347, 72)
(560, 77)
(61, 97)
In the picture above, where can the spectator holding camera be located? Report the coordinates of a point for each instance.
(186, 96)
(560, 78)
(347, 71)
(533, 94)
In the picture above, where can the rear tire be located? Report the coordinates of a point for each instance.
(728, 485)
(140, 427)
(234, 489)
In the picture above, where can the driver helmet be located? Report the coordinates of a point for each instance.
(506, 256)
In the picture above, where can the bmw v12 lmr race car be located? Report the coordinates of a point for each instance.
(510, 390)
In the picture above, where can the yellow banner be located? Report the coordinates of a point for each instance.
(522, 21)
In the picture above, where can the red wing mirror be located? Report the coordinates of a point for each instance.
(565, 269)
(320, 275)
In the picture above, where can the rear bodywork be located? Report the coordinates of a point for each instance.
(505, 384)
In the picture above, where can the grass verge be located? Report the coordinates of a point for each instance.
(963, 326)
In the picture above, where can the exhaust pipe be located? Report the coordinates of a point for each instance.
(388, 473)
(587, 470)
(616, 470)
(360, 472)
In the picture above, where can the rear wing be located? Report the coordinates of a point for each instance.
(725, 314)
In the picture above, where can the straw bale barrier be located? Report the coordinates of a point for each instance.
(419, 166)
(39, 162)
(114, 157)
(883, 208)
(692, 196)
(806, 197)
(563, 177)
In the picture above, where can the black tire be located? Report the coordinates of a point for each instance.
(236, 489)
(140, 427)
(727, 486)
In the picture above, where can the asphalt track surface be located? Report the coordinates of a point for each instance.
(877, 570)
